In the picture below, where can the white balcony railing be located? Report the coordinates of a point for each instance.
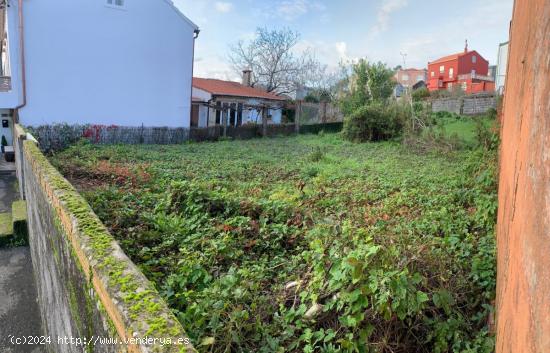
(475, 77)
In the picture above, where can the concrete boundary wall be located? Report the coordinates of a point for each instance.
(469, 105)
(87, 286)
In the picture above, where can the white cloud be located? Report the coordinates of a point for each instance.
(342, 50)
(384, 14)
(329, 53)
(222, 6)
(216, 66)
(290, 10)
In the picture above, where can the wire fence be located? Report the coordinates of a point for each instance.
(60, 136)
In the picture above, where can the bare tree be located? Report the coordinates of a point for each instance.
(275, 63)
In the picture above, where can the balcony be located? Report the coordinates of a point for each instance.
(5, 83)
(474, 76)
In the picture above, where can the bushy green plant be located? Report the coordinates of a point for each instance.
(420, 94)
(375, 122)
(370, 83)
(487, 133)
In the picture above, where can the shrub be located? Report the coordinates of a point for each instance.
(420, 94)
(491, 113)
(375, 122)
(487, 135)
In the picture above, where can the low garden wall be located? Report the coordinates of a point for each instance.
(56, 137)
(469, 105)
(88, 289)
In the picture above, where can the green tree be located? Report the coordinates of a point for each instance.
(369, 82)
(379, 81)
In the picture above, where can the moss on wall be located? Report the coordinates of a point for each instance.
(6, 225)
(128, 300)
(19, 217)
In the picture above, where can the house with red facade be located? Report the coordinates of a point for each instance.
(468, 71)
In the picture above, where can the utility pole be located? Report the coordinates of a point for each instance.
(404, 55)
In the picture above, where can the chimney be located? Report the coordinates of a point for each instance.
(466, 46)
(247, 77)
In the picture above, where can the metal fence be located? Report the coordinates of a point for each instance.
(318, 113)
(60, 136)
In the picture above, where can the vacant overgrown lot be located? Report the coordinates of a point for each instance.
(305, 243)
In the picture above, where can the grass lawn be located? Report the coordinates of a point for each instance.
(463, 127)
(305, 244)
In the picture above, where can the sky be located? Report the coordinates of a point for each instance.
(343, 30)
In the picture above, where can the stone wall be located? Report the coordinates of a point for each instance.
(478, 104)
(469, 105)
(453, 105)
(523, 231)
(87, 287)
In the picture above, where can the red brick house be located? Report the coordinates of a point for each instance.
(410, 77)
(467, 70)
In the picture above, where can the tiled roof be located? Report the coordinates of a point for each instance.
(230, 88)
(449, 57)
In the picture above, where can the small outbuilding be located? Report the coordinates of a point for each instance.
(217, 101)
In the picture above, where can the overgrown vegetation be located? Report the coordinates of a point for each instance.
(376, 122)
(307, 244)
(369, 116)
(420, 94)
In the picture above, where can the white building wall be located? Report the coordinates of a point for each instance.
(276, 115)
(13, 98)
(90, 63)
(199, 93)
(203, 116)
(502, 66)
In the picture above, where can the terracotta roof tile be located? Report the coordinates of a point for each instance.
(449, 57)
(230, 88)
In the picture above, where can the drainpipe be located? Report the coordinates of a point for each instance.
(195, 36)
(22, 62)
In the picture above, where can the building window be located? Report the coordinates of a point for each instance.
(474, 59)
(433, 74)
(405, 77)
(451, 72)
(442, 69)
(120, 4)
(473, 73)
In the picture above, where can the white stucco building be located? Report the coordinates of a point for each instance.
(502, 66)
(108, 62)
(218, 101)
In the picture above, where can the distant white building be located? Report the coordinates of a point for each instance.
(110, 62)
(217, 101)
(502, 65)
